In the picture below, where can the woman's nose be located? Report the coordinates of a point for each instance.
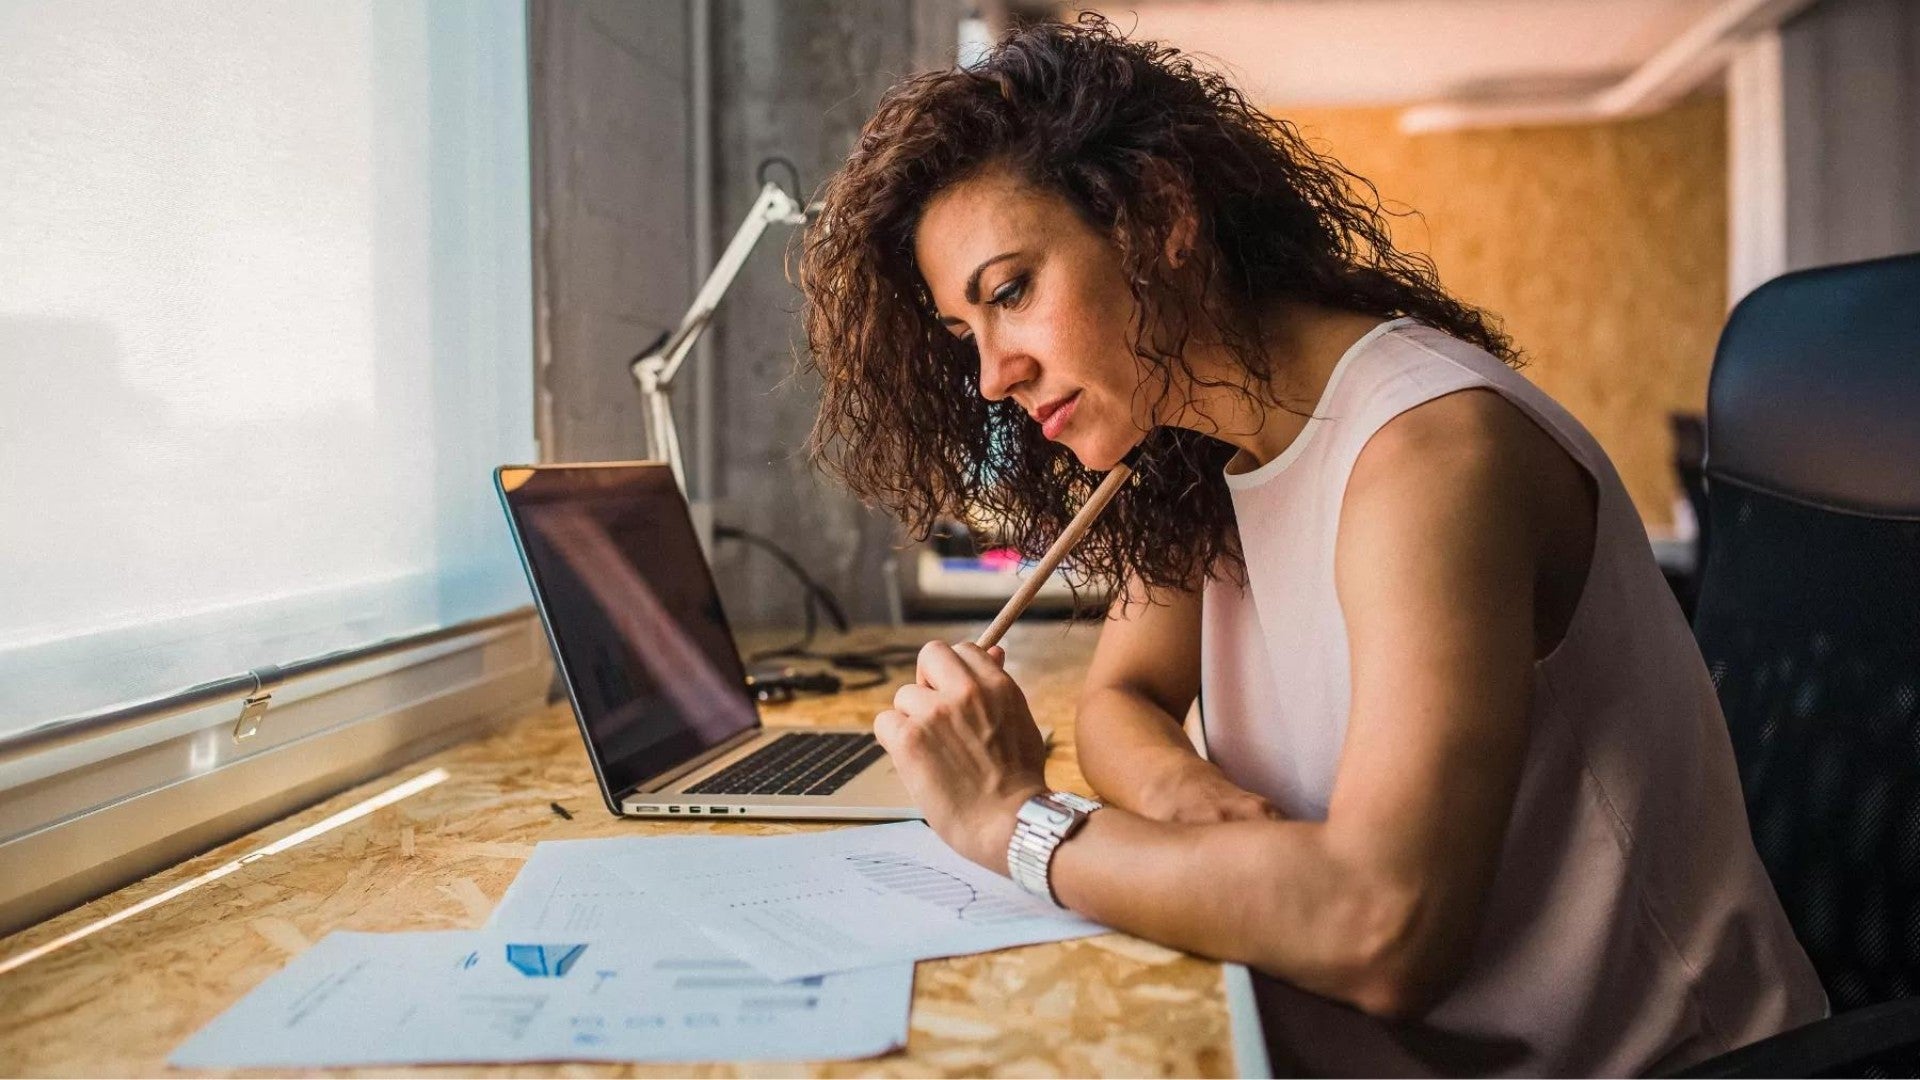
(1003, 367)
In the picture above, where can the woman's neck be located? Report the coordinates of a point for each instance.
(1304, 344)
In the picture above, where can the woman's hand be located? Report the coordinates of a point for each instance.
(966, 746)
(1200, 794)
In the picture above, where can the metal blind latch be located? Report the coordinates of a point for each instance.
(251, 712)
(254, 709)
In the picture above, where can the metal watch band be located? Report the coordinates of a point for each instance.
(1045, 821)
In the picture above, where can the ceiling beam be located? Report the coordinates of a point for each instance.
(1698, 54)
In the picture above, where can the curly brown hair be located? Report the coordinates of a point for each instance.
(1137, 139)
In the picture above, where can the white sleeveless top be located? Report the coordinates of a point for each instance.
(1631, 926)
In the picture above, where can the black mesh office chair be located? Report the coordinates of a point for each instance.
(1809, 618)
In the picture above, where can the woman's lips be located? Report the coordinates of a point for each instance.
(1053, 419)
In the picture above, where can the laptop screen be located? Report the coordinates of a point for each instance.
(632, 611)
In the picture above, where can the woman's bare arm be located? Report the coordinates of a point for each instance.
(1144, 677)
(1447, 529)
(1379, 904)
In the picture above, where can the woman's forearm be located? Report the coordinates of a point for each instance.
(1372, 906)
(1275, 895)
(1130, 749)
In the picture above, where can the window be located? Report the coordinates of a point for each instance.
(265, 328)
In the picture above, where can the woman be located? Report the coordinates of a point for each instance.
(1471, 804)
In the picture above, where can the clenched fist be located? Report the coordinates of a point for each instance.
(963, 741)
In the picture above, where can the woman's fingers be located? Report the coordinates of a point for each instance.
(982, 666)
(1214, 810)
(1251, 808)
(887, 727)
(941, 668)
(915, 700)
(1244, 806)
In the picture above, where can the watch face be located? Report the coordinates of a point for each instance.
(1042, 812)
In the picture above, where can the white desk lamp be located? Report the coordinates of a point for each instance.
(655, 368)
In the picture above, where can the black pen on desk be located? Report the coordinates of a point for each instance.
(561, 810)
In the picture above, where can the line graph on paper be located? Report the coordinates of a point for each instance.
(845, 899)
(931, 885)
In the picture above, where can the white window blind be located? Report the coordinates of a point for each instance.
(265, 327)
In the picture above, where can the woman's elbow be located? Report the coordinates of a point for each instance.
(1403, 961)
(1398, 995)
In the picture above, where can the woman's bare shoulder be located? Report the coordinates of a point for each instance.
(1471, 473)
(1473, 443)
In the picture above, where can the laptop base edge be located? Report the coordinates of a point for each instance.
(796, 811)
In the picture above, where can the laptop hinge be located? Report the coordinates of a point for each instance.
(668, 778)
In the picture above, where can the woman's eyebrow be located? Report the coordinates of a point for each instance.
(973, 280)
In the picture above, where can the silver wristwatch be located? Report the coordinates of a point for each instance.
(1044, 821)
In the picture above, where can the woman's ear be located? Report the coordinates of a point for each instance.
(1181, 238)
(1170, 191)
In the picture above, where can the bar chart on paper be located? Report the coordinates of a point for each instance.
(820, 903)
(359, 999)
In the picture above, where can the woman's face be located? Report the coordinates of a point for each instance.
(1041, 296)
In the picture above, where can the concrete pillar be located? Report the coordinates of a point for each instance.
(794, 80)
(1850, 72)
(612, 216)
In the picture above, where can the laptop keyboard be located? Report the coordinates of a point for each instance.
(797, 763)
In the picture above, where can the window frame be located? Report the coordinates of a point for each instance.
(84, 815)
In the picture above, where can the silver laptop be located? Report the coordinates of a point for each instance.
(650, 664)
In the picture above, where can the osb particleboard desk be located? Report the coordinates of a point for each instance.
(117, 1002)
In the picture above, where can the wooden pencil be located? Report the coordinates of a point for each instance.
(1077, 528)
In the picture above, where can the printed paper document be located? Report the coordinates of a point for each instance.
(565, 887)
(481, 996)
(573, 965)
(815, 903)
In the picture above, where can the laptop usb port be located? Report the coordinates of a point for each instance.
(673, 809)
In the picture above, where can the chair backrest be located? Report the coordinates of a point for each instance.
(1809, 611)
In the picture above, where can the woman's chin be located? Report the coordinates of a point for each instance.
(1099, 457)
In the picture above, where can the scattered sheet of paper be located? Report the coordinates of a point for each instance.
(816, 903)
(485, 996)
(573, 965)
(564, 887)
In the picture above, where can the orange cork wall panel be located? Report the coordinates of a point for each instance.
(1602, 247)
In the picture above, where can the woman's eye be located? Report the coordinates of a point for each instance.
(1010, 293)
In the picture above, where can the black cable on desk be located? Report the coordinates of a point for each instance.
(876, 662)
(811, 591)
